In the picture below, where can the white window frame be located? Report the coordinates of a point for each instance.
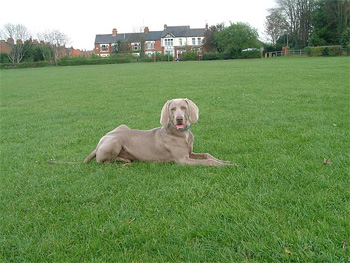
(150, 44)
(169, 42)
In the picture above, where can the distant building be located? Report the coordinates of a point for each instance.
(172, 40)
(60, 51)
(6, 46)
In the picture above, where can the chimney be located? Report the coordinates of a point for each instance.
(165, 26)
(206, 26)
(10, 41)
(114, 32)
(146, 30)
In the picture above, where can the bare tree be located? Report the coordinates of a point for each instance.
(19, 40)
(276, 24)
(57, 41)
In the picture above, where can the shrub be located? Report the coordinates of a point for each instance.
(4, 58)
(161, 57)
(210, 56)
(324, 51)
(114, 59)
(38, 64)
(250, 54)
(189, 55)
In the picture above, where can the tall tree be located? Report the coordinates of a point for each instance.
(236, 37)
(331, 23)
(298, 14)
(276, 24)
(209, 43)
(20, 41)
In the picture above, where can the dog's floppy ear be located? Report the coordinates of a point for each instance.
(194, 111)
(164, 115)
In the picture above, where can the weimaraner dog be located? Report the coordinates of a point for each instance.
(173, 142)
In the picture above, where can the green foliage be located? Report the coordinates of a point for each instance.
(4, 58)
(250, 54)
(189, 55)
(330, 21)
(276, 118)
(113, 59)
(324, 51)
(237, 37)
(166, 57)
(209, 42)
(34, 54)
(37, 64)
(211, 56)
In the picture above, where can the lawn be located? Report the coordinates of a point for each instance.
(277, 119)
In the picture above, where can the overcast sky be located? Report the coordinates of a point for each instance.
(82, 20)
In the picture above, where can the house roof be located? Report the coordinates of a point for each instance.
(175, 31)
(183, 31)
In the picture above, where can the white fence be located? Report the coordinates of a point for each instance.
(285, 53)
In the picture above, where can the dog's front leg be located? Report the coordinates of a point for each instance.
(206, 156)
(208, 162)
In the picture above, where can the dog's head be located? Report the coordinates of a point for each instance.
(179, 113)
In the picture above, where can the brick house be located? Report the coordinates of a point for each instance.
(6, 47)
(173, 40)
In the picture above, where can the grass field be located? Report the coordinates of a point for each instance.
(278, 119)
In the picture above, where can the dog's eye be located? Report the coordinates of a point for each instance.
(183, 108)
(173, 109)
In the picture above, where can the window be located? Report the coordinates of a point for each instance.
(150, 45)
(135, 46)
(168, 42)
(180, 42)
(199, 41)
(104, 47)
(193, 41)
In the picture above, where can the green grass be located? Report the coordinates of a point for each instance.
(276, 118)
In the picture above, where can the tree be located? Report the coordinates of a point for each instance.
(209, 42)
(276, 24)
(331, 23)
(20, 41)
(298, 15)
(56, 40)
(236, 37)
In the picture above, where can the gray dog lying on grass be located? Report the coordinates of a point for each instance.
(173, 142)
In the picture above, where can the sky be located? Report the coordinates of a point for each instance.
(81, 20)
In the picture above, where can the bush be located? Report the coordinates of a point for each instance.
(4, 58)
(211, 56)
(38, 64)
(161, 57)
(250, 54)
(189, 55)
(114, 59)
(324, 51)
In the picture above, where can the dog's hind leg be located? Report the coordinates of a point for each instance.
(108, 151)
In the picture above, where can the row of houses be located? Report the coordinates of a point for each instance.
(172, 40)
(60, 51)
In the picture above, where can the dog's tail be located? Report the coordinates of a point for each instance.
(54, 162)
(88, 159)
(91, 156)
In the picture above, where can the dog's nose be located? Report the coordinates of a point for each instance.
(179, 119)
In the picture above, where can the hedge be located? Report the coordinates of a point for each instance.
(39, 64)
(324, 51)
